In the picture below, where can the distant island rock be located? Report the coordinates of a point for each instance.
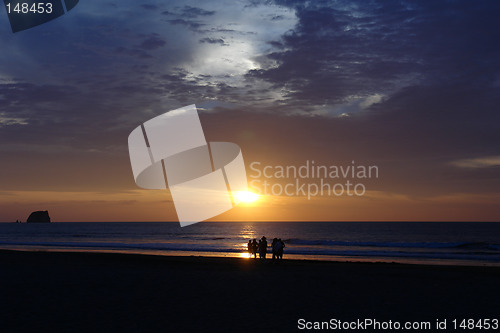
(41, 216)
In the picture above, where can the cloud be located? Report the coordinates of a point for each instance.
(343, 48)
(6, 121)
(209, 40)
(192, 12)
(194, 25)
(277, 17)
(353, 105)
(189, 17)
(481, 162)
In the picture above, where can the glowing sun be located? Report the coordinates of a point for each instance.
(246, 196)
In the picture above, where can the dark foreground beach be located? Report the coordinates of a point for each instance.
(90, 292)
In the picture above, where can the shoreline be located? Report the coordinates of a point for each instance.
(244, 255)
(453, 244)
(81, 292)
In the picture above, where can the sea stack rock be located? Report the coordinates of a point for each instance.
(41, 216)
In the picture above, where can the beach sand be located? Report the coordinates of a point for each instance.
(90, 292)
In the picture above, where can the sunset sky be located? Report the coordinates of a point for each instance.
(412, 87)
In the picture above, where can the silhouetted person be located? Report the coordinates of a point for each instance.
(250, 248)
(280, 247)
(274, 247)
(263, 248)
(254, 248)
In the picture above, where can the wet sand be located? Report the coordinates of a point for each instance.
(90, 292)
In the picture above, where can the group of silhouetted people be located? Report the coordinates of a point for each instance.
(277, 247)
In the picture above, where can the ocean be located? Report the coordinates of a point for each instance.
(460, 243)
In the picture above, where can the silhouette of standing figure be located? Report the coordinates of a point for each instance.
(254, 248)
(274, 247)
(263, 248)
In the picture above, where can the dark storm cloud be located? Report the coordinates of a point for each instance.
(192, 12)
(276, 44)
(189, 23)
(209, 40)
(345, 48)
(188, 16)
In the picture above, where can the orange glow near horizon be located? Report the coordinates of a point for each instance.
(156, 205)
